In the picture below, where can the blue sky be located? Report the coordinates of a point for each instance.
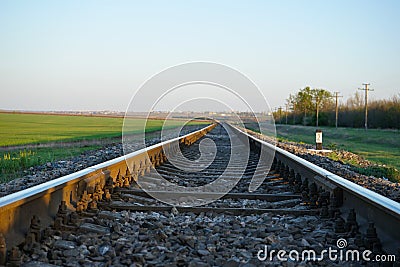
(93, 55)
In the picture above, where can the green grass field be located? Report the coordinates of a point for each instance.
(13, 162)
(21, 129)
(378, 146)
(26, 129)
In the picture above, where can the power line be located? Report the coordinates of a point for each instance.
(366, 89)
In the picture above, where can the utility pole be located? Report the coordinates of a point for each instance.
(294, 113)
(280, 114)
(336, 107)
(366, 89)
(317, 108)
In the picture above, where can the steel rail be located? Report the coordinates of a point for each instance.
(369, 206)
(85, 186)
(43, 200)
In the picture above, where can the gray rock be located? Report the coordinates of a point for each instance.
(203, 252)
(103, 249)
(94, 228)
(272, 239)
(63, 244)
(71, 253)
(37, 264)
(305, 243)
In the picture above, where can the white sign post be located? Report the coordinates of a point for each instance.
(318, 139)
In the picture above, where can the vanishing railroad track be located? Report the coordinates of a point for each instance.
(274, 193)
(101, 216)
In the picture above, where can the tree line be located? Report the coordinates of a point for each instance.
(317, 107)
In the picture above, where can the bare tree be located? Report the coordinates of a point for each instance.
(356, 101)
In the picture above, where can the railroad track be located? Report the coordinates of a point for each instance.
(274, 196)
(101, 215)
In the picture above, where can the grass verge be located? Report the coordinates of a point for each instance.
(13, 163)
(381, 147)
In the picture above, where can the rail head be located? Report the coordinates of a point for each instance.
(13, 199)
(387, 205)
(77, 190)
(369, 206)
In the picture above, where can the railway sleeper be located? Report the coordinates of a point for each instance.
(318, 194)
